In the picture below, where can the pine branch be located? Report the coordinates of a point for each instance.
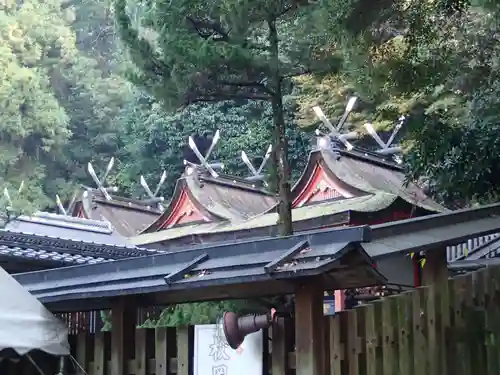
(207, 29)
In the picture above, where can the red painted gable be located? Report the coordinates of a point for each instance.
(320, 187)
(184, 211)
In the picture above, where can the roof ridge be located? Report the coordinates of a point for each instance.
(64, 221)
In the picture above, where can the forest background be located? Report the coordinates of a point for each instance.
(69, 95)
(65, 98)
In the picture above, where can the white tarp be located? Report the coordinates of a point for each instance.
(25, 324)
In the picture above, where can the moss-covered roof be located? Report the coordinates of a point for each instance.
(367, 203)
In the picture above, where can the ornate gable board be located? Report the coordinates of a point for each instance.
(320, 187)
(201, 198)
(182, 209)
(317, 184)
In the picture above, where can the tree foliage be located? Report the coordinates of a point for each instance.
(154, 137)
(212, 51)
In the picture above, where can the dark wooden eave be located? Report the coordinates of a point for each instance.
(238, 269)
(334, 254)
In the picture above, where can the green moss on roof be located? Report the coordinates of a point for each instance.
(366, 203)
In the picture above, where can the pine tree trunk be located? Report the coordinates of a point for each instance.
(280, 142)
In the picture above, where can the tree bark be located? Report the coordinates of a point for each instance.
(280, 142)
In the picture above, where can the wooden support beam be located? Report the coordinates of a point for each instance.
(309, 329)
(123, 326)
(435, 270)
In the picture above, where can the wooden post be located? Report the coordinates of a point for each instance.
(81, 352)
(123, 325)
(161, 345)
(309, 329)
(183, 350)
(435, 270)
(279, 354)
(99, 354)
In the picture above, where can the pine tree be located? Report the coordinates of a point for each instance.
(210, 51)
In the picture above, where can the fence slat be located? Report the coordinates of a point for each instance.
(389, 341)
(432, 335)
(419, 332)
(405, 326)
(336, 350)
(373, 322)
(183, 351)
(81, 351)
(491, 317)
(99, 354)
(141, 357)
(462, 298)
(161, 359)
(361, 339)
(477, 321)
(351, 346)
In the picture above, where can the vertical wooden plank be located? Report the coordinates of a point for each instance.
(81, 352)
(462, 301)
(309, 328)
(161, 359)
(99, 353)
(123, 326)
(182, 350)
(449, 333)
(279, 354)
(435, 270)
(494, 311)
(443, 324)
(141, 357)
(405, 327)
(361, 339)
(433, 349)
(477, 321)
(351, 343)
(373, 322)
(491, 317)
(389, 341)
(336, 350)
(419, 332)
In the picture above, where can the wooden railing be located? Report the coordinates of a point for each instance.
(448, 329)
(457, 251)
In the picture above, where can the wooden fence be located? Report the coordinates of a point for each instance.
(449, 329)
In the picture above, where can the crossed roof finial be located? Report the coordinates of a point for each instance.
(335, 131)
(256, 173)
(385, 147)
(100, 182)
(153, 195)
(203, 159)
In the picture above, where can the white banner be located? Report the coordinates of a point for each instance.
(213, 356)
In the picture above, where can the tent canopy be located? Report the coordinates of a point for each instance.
(25, 324)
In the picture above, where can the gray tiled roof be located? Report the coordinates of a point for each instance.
(61, 240)
(48, 256)
(66, 227)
